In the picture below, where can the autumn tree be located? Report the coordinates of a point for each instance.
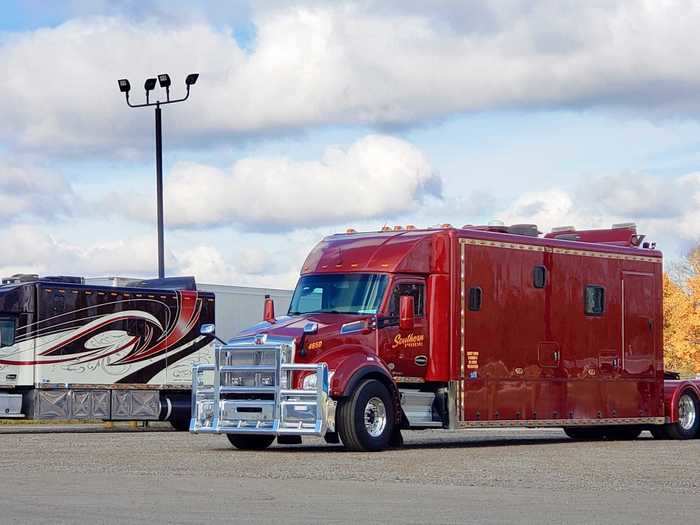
(682, 316)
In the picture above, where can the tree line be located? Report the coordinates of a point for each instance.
(682, 315)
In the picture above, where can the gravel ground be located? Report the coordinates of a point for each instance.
(484, 476)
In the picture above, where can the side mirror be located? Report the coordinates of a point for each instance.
(210, 330)
(406, 316)
(269, 310)
(207, 329)
(310, 328)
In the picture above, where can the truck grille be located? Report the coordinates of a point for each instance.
(249, 389)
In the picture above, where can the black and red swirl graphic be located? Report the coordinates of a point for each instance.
(103, 331)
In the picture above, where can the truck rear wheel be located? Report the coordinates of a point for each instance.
(365, 420)
(688, 418)
(250, 441)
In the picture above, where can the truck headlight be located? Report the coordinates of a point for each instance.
(309, 382)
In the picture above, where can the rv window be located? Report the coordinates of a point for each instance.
(474, 299)
(7, 331)
(59, 304)
(539, 276)
(413, 289)
(594, 299)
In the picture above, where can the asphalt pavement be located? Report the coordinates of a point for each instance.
(477, 476)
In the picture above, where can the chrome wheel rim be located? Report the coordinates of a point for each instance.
(686, 412)
(375, 417)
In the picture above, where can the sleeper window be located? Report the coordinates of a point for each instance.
(474, 299)
(594, 300)
(539, 276)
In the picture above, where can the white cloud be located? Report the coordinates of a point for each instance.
(30, 190)
(348, 63)
(33, 250)
(376, 177)
(663, 208)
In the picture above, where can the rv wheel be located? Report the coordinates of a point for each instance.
(181, 424)
(250, 441)
(688, 418)
(365, 420)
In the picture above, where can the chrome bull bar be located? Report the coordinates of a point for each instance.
(249, 389)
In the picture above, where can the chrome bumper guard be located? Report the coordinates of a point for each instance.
(248, 390)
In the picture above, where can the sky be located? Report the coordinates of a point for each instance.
(311, 117)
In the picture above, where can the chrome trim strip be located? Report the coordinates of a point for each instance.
(351, 328)
(536, 423)
(561, 251)
(408, 379)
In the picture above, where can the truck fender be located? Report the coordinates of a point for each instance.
(357, 367)
(672, 391)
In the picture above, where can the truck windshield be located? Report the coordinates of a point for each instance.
(354, 293)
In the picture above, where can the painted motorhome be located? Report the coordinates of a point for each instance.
(110, 348)
(448, 328)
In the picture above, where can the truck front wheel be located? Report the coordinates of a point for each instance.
(688, 418)
(365, 420)
(250, 441)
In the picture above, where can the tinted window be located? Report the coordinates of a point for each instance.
(539, 276)
(413, 289)
(594, 300)
(7, 332)
(474, 299)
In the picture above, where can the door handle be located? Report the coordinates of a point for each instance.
(556, 355)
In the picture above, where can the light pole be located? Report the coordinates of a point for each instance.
(149, 85)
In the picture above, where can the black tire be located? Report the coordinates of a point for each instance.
(585, 433)
(181, 424)
(371, 395)
(250, 441)
(659, 432)
(688, 428)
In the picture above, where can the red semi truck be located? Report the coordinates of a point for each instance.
(472, 327)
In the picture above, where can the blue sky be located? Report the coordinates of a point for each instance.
(310, 117)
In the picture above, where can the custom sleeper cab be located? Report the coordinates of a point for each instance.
(480, 326)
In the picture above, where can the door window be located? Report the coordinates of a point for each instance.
(416, 290)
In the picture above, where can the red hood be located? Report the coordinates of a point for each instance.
(293, 326)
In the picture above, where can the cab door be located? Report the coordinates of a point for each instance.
(406, 351)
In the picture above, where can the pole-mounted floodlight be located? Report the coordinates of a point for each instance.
(164, 81)
(150, 84)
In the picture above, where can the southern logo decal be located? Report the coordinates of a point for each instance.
(410, 341)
